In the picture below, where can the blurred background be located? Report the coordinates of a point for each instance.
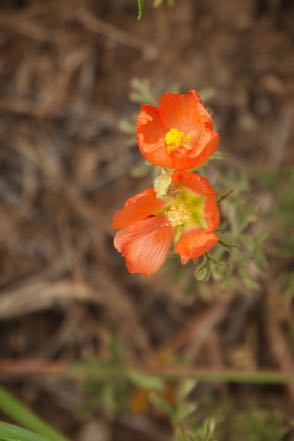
(72, 76)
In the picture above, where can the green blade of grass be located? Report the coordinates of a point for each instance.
(24, 416)
(9, 432)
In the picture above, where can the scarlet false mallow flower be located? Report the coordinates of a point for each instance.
(178, 134)
(186, 216)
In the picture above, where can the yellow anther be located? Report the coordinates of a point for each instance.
(174, 139)
(178, 214)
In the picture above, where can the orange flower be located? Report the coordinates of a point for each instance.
(186, 216)
(178, 134)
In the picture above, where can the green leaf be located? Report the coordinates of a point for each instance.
(161, 404)
(253, 244)
(114, 349)
(127, 127)
(244, 218)
(180, 436)
(208, 429)
(203, 271)
(9, 432)
(248, 281)
(140, 170)
(108, 398)
(21, 414)
(224, 240)
(185, 388)
(145, 381)
(183, 411)
(141, 91)
(207, 93)
(157, 3)
(219, 155)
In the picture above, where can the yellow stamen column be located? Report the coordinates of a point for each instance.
(174, 139)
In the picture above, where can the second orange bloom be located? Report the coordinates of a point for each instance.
(187, 216)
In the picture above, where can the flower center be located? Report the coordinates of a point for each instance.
(174, 139)
(185, 210)
(178, 214)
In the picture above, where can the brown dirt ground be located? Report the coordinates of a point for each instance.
(65, 72)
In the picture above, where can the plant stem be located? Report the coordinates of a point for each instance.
(81, 370)
(227, 376)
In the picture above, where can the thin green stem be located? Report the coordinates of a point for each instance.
(180, 373)
(104, 371)
(140, 9)
(224, 196)
(217, 262)
(229, 376)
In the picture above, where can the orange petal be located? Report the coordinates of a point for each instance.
(197, 183)
(193, 243)
(209, 144)
(212, 213)
(181, 159)
(150, 136)
(132, 232)
(145, 245)
(178, 110)
(202, 111)
(138, 207)
(200, 185)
